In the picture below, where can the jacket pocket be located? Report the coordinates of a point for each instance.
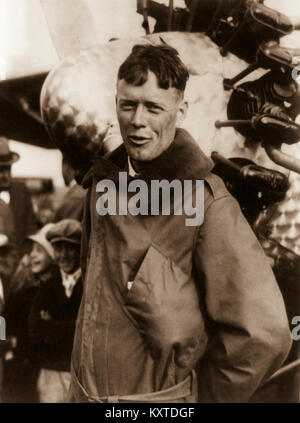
(163, 304)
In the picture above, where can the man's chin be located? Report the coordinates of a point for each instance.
(140, 155)
(69, 270)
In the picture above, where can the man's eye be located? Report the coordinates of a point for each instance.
(127, 107)
(154, 110)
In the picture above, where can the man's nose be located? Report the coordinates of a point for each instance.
(138, 119)
(64, 252)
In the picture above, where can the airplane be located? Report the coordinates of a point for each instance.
(21, 119)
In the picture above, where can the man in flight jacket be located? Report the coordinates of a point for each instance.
(170, 312)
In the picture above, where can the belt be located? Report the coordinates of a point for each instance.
(185, 391)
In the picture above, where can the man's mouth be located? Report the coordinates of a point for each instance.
(138, 139)
(65, 263)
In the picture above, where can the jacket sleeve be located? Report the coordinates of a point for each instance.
(246, 317)
(85, 236)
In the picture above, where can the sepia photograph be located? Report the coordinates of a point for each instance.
(149, 204)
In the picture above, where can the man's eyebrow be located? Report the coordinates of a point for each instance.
(126, 100)
(147, 103)
(153, 104)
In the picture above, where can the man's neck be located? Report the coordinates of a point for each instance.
(137, 166)
(132, 168)
(76, 274)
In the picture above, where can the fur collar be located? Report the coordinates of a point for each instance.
(182, 160)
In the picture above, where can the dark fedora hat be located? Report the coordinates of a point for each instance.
(7, 157)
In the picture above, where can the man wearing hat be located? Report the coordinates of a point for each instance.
(17, 219)
(54, 311)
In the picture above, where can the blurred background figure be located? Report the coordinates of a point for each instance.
(8, 262)
(17, 219)
(72, 204)
(21, 371)
(54, 311)
(112, 139)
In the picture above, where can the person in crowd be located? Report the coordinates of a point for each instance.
(73, 202)
(171, 312)
(8, 262)
(17, 219)
(54, 311)
(21, 371)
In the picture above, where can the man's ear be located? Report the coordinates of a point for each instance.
(182, 112)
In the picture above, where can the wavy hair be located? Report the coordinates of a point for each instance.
(163, 60)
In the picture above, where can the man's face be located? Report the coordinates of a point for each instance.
(39, 259)
(5, 177)
(148, 116)
(67, 256)
(8, 260)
